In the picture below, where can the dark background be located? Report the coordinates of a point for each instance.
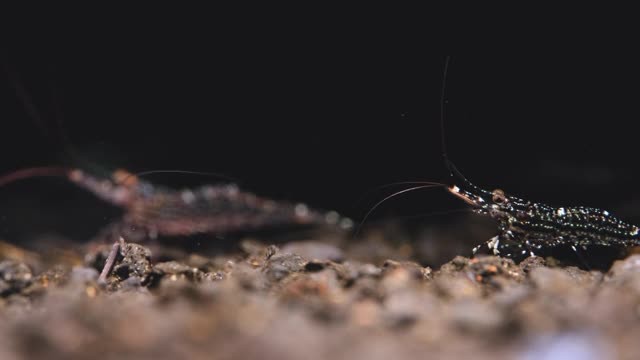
(317, 121)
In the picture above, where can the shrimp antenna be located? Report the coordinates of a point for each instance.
(450, 167)
(366, 216)
(25, 98)
(33, 172)
(454, 173)
(445, 156)
(368, 193)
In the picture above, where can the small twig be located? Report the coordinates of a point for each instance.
(111, 260)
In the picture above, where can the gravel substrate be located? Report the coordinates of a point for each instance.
(309, 300)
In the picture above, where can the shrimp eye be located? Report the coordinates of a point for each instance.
(497, 196)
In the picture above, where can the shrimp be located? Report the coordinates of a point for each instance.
(162, 211)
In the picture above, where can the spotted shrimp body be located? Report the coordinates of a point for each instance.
(208, 209)
(205, 210)
(527, 227)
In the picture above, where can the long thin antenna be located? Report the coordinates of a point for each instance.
(368, 193)
(391, 196)
(453, 171)
(33, 172)
(25, 98)
(40, 119)
(442, 103)
(68, 148)
(191, 172)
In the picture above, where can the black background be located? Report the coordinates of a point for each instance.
(315, 120)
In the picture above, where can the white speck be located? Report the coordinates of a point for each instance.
(475, 249)
(120, 195)
(561, 212)
(332, 217)
(302, 210)
(187, 197)
(455, 189)
(146, 189)
(605, 213)
(493, 244)
(232, 189)
(635, 231)
(346, 224)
